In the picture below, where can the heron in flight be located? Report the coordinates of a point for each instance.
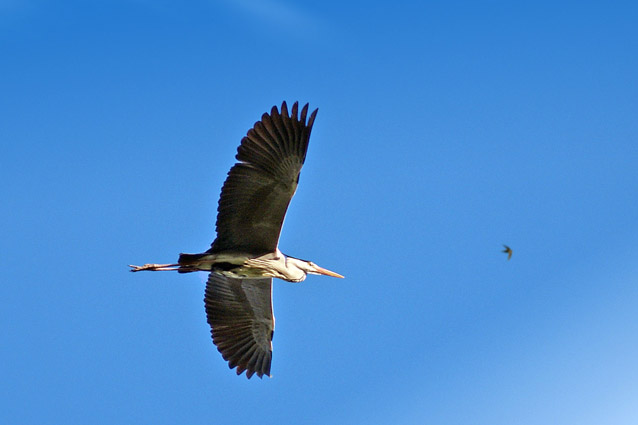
(244, 257)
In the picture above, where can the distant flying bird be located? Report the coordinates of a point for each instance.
(508, 251)
(244, 257)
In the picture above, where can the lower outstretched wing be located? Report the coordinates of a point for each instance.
(240, 314)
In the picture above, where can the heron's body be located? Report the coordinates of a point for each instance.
(245, 256)
(243, 266)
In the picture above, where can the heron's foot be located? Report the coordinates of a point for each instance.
(154, 267)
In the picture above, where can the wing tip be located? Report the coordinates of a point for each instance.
(311, 120)
(283, 110)
(250, 372)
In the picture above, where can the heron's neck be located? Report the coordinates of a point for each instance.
(294, 270)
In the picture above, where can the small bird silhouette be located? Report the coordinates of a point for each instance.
(508, 251)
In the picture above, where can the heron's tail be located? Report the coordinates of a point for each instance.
(192, 263)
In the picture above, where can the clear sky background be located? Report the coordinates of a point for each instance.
(445, 129)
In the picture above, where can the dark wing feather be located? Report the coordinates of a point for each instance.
(240, 314)
(259, 187)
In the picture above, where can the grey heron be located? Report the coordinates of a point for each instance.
(244, 257)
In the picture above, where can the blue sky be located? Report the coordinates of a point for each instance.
(445, 129)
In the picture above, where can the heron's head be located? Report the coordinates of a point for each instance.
(308, 267)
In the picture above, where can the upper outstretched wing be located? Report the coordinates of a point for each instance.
(258, 189)
(240, 314)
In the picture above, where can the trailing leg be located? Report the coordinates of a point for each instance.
(154, 267)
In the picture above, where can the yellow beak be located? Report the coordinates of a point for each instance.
(327, 272)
